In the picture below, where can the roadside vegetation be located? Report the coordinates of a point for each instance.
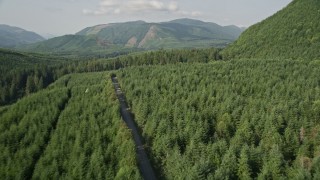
(71, 130)
(243, 119)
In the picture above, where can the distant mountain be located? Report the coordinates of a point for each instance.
(48, 36)
(181, 33)
(291, 33)
(231, 32)
(12, 36)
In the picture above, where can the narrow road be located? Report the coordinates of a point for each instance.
(143, 161)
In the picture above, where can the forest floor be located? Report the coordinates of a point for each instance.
(143, 161)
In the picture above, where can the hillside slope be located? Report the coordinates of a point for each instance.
(182, 33)
(293, 32)
(72, 129)
(241, 119)
(166, 34)
(12, 36)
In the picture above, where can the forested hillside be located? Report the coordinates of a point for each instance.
(242, 119)
(12, 36)
(291, 33)
(201, 119)
(71, 130)
(22, 74)
(138, 36)
(250, 111)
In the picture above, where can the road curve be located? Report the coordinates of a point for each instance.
(143, 161)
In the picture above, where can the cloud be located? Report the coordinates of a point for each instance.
(136, 6)
(145, 5)
(53, 9)
(196, 13)
(187, 13)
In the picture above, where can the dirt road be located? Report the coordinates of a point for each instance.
(143, 161)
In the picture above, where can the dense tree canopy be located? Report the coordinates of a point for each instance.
(71, 130)
(241, 119)
(23, 74)
(291, 33)
(201, 118)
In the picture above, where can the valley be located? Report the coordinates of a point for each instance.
(180, 99)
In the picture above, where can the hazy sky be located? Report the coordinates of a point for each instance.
(69, 16)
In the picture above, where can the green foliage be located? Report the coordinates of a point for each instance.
(25, 73)
(17, 83)
(71, 130)
(201, 118)
(25, 128)
(244, 170)
(244, 119)
(291, 33)
(160, 57)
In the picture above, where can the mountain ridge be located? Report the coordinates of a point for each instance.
(141, 35)
(11, 36)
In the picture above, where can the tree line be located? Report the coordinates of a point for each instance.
(21, 79)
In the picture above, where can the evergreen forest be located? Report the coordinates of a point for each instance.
(72, 130)
(244, 119)
(250, 110)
